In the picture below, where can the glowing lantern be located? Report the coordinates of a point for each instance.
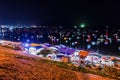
(65, 38)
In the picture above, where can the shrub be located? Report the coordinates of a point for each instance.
(62, 65)
(111, 71)
(10, 47)
(17, 48)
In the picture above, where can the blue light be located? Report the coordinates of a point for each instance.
(119, 48)
(26, 49)
(106, 42)
(26, 45)
(88, 46)
(28, 40)
(73, 43)
(93, 43)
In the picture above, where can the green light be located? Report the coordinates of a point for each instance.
(82, 26)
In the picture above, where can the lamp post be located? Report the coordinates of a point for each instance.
(60, 37)
(70, 41)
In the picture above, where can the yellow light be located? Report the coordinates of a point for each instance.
(65, 38)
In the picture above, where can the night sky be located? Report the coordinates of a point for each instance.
(58, 12)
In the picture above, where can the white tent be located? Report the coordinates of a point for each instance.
(32, 50)
(92, 59)
(53, 48)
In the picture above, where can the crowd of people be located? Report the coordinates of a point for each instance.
(98, 39)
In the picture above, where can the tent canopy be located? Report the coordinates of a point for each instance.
(83, 53)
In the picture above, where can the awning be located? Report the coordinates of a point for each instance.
(34, 44)
(83, 53)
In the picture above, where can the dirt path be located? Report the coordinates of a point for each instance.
(86, 76)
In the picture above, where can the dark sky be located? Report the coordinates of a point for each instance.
(58, 12)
